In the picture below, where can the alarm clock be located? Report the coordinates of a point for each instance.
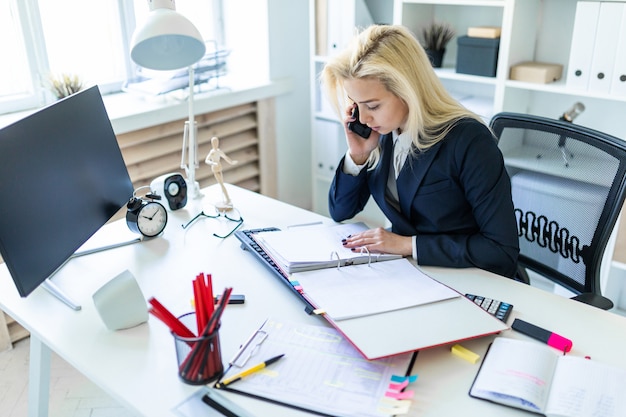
(173, 187)
(146, 216)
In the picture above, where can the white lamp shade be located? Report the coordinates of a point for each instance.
(166, 41)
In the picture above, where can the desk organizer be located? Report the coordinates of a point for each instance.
(199, 358)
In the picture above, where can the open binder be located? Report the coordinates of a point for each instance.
(448, 317)
(315, 247)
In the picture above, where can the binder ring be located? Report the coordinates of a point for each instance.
(369, 255)
(334, 253)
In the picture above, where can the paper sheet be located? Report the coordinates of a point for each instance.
(361, 290)
(320, 371)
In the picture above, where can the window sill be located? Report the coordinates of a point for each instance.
(129, 112)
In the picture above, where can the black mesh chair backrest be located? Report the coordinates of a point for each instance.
(568, 186)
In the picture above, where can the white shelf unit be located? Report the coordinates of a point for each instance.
(532, 30)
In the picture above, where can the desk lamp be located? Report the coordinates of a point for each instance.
(167, 41)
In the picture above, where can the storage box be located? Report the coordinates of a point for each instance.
(536, 72)
(484, 32)
(477, 56)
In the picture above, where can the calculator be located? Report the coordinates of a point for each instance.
(499, 309)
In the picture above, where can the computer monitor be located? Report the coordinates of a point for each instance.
(62, 177)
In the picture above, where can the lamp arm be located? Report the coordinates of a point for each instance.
(192, 151)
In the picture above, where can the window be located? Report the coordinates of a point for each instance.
(47, 38)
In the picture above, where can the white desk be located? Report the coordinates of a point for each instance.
(137, 366)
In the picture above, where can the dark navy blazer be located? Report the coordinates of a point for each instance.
(456, 197)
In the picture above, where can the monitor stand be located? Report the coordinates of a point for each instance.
(54, 289)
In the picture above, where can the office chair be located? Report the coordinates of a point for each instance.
(568, 185)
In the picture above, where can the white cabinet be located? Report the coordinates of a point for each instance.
(532, 30)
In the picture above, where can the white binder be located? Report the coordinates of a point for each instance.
(618, 80)
(330, 146)
(583, 41)
(603, 59)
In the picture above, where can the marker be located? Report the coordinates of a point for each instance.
(551, 339)
(248, 371)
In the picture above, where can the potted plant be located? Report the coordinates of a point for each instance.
(436, 36)
(64, 85)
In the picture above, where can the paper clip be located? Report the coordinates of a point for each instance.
(240, 360)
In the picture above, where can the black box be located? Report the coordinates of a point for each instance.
(477, 56)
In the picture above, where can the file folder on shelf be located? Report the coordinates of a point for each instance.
(618, 81)
(603, 59)
(583, 42)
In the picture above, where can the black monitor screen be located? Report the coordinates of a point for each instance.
(62, 177)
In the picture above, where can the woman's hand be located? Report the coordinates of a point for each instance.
(360, 148)
(380, 240)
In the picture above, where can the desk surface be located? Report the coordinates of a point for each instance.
(138, 367)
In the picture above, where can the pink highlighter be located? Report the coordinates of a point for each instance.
(551, 339)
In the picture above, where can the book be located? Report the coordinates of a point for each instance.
(315, 247)
(491, 32)
(320, 371)
(537, 378)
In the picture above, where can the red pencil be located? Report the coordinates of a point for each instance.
(169, 319)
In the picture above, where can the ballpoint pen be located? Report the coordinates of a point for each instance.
(248, 371)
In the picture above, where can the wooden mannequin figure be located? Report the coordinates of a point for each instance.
(214, 160)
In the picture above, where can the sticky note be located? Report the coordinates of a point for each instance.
(399, 386)
(398, 378)
(400, 395)
(464, 353)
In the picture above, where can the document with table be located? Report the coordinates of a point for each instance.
(537, 378)
(374, 303)
(320, 372)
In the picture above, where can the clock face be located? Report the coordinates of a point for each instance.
(151, 219)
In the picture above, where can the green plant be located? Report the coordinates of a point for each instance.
(437, 35)
(64, 85)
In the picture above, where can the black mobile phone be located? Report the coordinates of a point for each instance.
(360, 129)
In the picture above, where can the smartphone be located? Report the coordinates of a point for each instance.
(360, 129)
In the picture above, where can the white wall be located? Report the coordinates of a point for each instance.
(270, 40)
(290, 54)
(246, 34)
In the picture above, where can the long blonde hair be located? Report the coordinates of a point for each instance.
(392, 55)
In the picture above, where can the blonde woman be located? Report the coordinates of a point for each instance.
(432, 166)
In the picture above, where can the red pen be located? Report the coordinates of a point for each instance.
(551, 339)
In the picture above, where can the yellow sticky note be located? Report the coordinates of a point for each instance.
(464, 353)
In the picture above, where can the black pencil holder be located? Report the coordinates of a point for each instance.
(199, 358)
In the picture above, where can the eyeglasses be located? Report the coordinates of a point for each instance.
(227, 215)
